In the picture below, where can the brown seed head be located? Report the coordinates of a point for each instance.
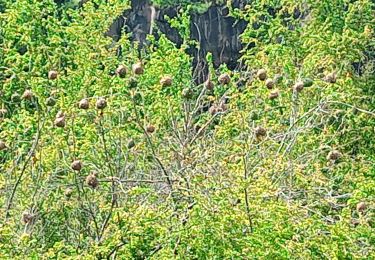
(150, 129)
(298, 87)
(274, 94)
(166, 81)
(3, 112)
(84, 104)
(50, 101)
(60, 121)
(27, 94)
(121, 71)
(262, 74)
(138, 68)
(101, 103)
(334, 155)
(68, 192)
(52, 74)
(3, 146)
(331, 78)
(260, 131)
(27, 217)
(270, 83)
(76, 165)
(224, 79)
(361, 206)
(92, 181)
(209, 84)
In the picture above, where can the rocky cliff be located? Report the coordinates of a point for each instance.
(214, 29)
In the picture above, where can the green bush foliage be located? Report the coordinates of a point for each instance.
(101, 161)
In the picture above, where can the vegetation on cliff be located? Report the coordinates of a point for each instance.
(108, 150)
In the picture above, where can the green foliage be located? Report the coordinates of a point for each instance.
(203, 184)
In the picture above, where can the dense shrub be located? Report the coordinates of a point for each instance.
(97, 161)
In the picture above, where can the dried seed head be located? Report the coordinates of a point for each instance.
(166, 81)
(121, 71)
(208, 84)
(133, 82)
(3, 146)
(274, 94)
(50, 101)
(138, 68)
(101, 103)
(60, 114)
(92, 180)
(224, 79)
(131, 144)
(52, 74)
(260, 131)
(27, 95)
(150, 129)
(262, 74)
(334, 155)
(84, 104)
(3, 112)
(187, 93)
(270, 83)
(27, 217)
(16, 98)
(76, 165)
(60, 121)
(68, 192)
(213, 110)
(298, 87)
(361, 206)
(331, 78)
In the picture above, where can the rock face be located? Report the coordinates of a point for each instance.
(215, 31)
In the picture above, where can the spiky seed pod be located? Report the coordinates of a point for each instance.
(260, 131)
(274, 94)
(121, 71)
(361, 206)
(16, 98)
(3, 112)
(331, 78)
(52, 74)
(84, 104)
(27, 94)
(138, 68)
(60, 121)
(101, 103)
(213, 110)
(92, 180)
(208, 84)
(50, 101)
(150, 129)
(224, 79)
(27, 217)
(3, 146)
(270, 83)
(334, 155)
(76, 165)
(68, 192)
(166, 81)
(298, 87)
(262, 74)
(187, 93)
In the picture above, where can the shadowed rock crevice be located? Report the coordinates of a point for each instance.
(214, 30)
